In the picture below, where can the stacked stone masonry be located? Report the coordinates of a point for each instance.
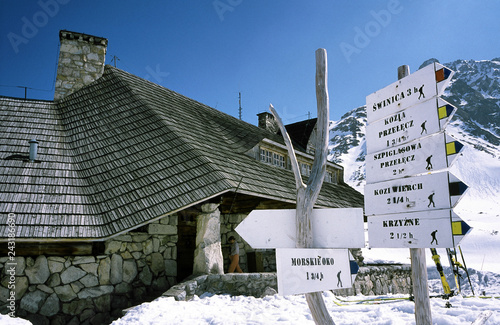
(371, 280)
(81, 61)
(93, 289)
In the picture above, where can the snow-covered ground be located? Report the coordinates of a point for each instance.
(294, 310)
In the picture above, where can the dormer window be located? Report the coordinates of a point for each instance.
(305, 169)
(276, 155)
(331, 177)
(273, 158)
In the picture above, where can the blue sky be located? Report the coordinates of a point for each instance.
(212, 50)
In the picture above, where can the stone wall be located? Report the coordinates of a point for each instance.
(370, 280)
(381, 280)
(93, 289)
(248, 284)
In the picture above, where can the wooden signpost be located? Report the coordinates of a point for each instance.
(307, 194)
(415, 211)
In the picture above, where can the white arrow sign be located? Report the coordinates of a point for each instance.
(331, 228)
(423, 155)
(418, 193)
(421, 120)
(422, 229)
(311, 270)
(416, 88)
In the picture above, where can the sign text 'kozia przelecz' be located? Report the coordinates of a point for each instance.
(412, 123)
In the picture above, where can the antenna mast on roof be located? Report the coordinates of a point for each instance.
(115, 58)
(239, 110)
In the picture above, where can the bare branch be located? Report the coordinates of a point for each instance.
(289, 146)
(321, 142)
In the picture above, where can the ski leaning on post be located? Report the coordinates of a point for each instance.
(455, 266)
(446, 287)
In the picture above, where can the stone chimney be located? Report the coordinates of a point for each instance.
(81, 61)
(267, 122)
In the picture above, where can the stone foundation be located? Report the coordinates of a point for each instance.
(247, 284)
(93, 289)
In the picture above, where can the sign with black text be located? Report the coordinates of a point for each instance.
(415, 122)
(311, 270)
(418, 193)
(416, 88)
(424, 155)
(422, 229)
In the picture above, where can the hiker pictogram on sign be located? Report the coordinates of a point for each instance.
(421, 92)
(434, 239)
(431, 200)
(429, 164)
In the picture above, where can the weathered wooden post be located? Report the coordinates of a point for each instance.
(418, 265)
(308, 193)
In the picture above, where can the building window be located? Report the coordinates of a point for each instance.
(273, 158)
(305, 169)
(331, 177)
(278, 160)
(266, 156)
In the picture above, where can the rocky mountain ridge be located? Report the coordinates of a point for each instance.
(474, 90)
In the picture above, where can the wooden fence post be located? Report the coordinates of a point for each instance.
(308, 193)
(418, 265)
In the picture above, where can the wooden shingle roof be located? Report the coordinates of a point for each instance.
(122, 152)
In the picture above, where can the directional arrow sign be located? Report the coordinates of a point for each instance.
(423, 155)
(420, 120)
(422, 229)
(418, 87)
(311, 270)
(418, 193)
(332, 228)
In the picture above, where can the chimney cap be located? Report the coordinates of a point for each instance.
(69, 35)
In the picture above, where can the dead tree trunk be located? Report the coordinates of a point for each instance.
(308, 193)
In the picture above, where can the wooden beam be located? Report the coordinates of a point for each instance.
(423, 314)
(55, 249)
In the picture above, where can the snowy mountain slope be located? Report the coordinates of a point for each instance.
(347, 146)
(475, 91)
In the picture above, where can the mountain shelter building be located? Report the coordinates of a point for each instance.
(120, 187)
